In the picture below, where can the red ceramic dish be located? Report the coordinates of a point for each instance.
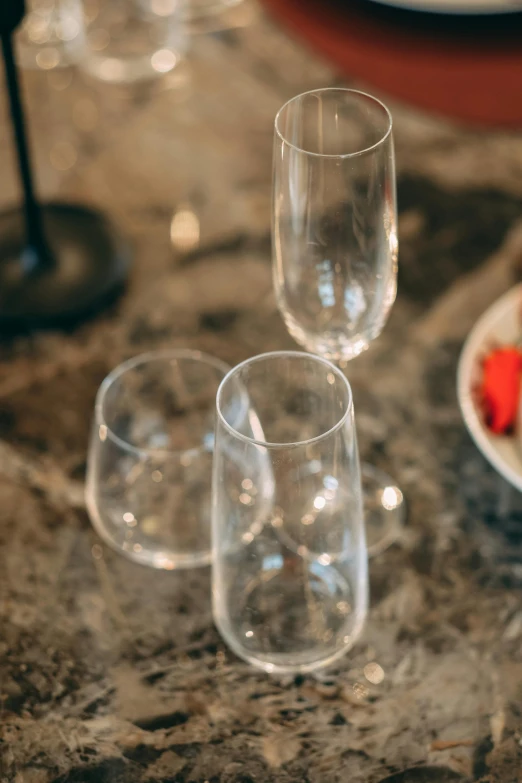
(466, 68)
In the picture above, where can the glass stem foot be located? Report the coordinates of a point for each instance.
(384, 509)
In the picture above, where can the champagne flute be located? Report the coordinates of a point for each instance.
(334, 238)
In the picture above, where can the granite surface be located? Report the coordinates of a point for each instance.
(110, 672)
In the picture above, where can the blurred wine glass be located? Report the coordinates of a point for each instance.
(208, 15)
(133, 40)
(52, 34)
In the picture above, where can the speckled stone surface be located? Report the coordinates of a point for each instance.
(113, 673)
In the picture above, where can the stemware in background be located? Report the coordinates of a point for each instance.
(208, 15)
(52, 34)
(59, 262)
(334, 237)
(133, 40)
(289, 559)
(150, 458)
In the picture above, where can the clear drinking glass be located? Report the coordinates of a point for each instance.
(133, 40)
(52, 34)
(335, 244)
(289, 561)
(150, 459)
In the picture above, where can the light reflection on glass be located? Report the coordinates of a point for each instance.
(374, 673)
(37, 30)
(163, 60)
(112, 70)
(391, 498)
(256, 527)
(129, 519)
(48, 58)
(68, 29)
(360, 690)
(165, 562)
(329, 481)
(52, 34)
(133, 41)
(185, 229)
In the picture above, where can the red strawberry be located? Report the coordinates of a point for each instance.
(501, 388)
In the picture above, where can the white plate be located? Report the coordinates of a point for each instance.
(471, 7)
(499, 325)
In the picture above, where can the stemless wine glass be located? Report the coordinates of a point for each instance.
(289, 560)
(335, 243)
(150, 461)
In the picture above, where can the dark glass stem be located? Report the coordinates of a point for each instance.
(36, 255)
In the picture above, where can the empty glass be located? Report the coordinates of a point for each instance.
(150, 459)
(133, 40)
(289, 559)
(335, 243)
(52, 34)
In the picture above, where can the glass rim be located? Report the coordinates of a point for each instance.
(357, 153)
(293, 444)
(136, 361)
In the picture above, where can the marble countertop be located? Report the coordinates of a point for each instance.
(114, 672)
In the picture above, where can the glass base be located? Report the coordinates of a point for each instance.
(126, 71)
(384, 509)
(290, 664)
(162, 559)
(88, 269)
(333, 345)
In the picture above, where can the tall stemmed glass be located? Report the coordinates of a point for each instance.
(334, 238)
